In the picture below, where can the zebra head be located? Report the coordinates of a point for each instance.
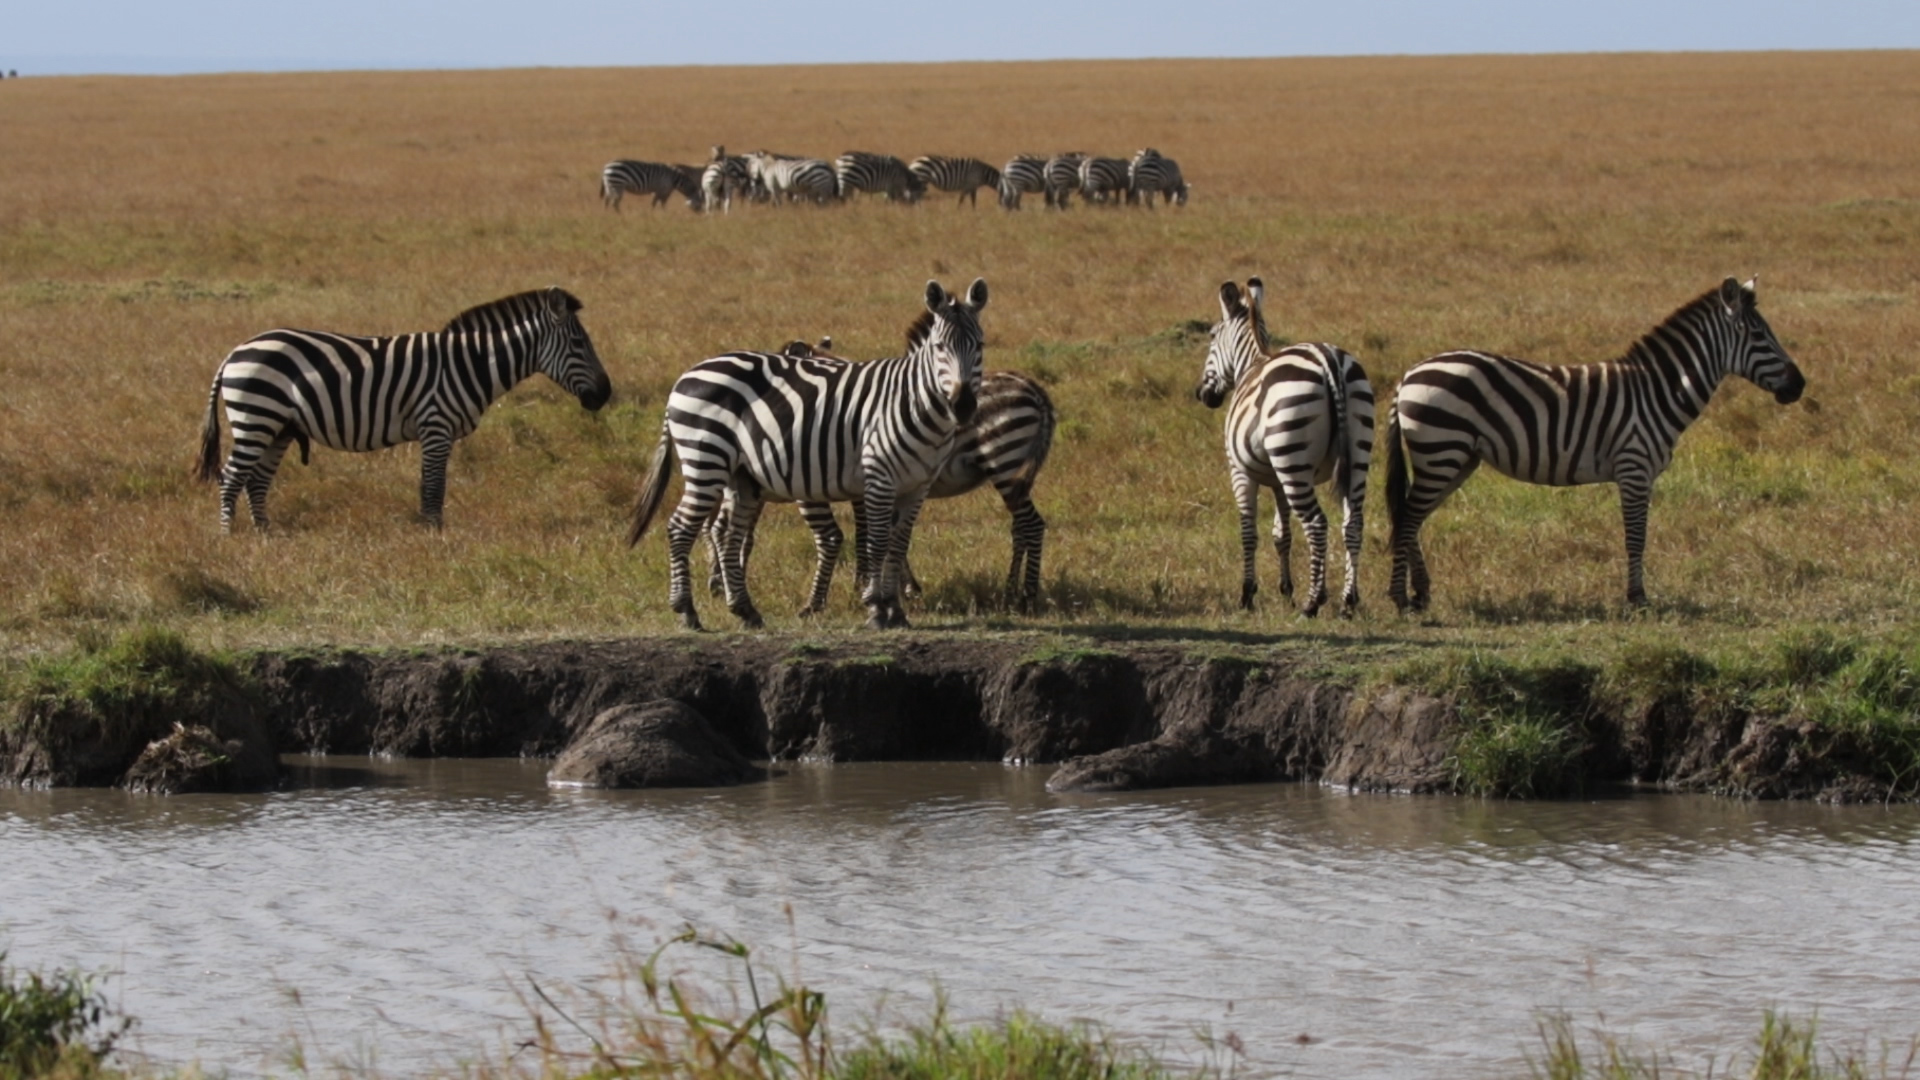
(566, 353)
(950, 334)
(1759, 357)
(1238, 339)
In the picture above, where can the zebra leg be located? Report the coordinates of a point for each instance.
(733, 563)
(863, 534)
(241, 462)
(1313, 521)
(1283, 540)
(827, 540)
(684, 529)
(1246, 495)
(716, 534)
(1431, 483)
(1636, 490)
(1029, 533)
(435, 447)
(262, 479)
(1353, 530)
(893, 565)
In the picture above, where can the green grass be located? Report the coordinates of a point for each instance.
(57, 1025)
(1784, 1049)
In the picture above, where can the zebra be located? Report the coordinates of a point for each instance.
(1612, 421)
(1151, 172)
(964, 175)
(793, 177)
(1299, 416)
(857, 171)
(1063, 178)
(723, 176)
(1023, 174)
(648, 178)
(764, 426)
(1006, 444)
(367, 393)
(1103, 179)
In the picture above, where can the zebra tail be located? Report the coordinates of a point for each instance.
(1337, 439)
(1397, 480)
(1042, 444)
(207, 469)
(658, 473)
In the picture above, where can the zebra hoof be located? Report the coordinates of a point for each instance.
(807, 612)
(690, 621)
(1310, 609)
(749, 617)
(1246, 599)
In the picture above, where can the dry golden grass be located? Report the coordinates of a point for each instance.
(1550, 207)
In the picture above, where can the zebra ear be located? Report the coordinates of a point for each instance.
(1752, 289)
(561, 302)
(1731, 296)
(1230, 305)
(1256, 292)
(977, 294)
(936, 297)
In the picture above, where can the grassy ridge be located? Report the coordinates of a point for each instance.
(1548, 207)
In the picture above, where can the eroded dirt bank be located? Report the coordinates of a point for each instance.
(1113, 717)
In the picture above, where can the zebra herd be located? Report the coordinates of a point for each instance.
(765, 177)
(803, 425)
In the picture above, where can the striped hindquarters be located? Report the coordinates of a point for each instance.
(1022, 175)
(857, 171)
(1103, 179)
(1305, 413)
(348, 393)
(1063, 178)
(963, 175)
(1545, 425)
(1151, 173)
(1008, 441)
(653, 178)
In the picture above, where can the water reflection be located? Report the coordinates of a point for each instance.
(394, 905)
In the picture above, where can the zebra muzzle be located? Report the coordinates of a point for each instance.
(965, 404)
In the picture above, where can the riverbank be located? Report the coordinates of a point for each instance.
(1805, 715)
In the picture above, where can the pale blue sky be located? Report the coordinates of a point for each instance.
(43, 37)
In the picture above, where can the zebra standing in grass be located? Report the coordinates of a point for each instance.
(648, 178)
(367, 393)
(723, 176)
(1063, 178)
(1299, 416)
(858, 171)
(1103, 179)
(1614, 421)
(764, 426)
(1006, 445)
(1023, 174)
(793, 178)
(963, 175)
(1150, 172)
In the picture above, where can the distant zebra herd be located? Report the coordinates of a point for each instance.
(764, 177)
(803, 425)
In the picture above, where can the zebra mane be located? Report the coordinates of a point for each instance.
(917, 333)
(488, 314)
(1706, 304)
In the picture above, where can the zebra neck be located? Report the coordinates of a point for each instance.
(1678, 371)
(493, 361)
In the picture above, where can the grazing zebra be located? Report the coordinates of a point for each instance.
(1299, 416)
(722, 177)
(1006, 445)
(788, 178)
(1103, 179)
(367, 393)
(1024, 174)
(1063, 178)
(648, 178)
(964, 175)
(1614, 421)
(763, 426)
(1150, 172)
(859, 171)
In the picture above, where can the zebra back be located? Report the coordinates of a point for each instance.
(1102, 179)
(860, 171)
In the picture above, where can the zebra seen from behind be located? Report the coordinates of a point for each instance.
(965, 176)
(653, 178)
(1023, 175)
(368, 393)
(723, 177)
(762, 427)
(1149, 173)
(857, 171)
(1006, 444)
(1104, 180)
(1615, 421)
(1299, 416)
(1062, 178)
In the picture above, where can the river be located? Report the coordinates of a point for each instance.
(392, 913)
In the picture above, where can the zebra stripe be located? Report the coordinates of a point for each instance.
(649, 178)
(1103, 179)
(1024, 174)
(722, 177)
(1299, 416)
(859, 171)
(1063, 178)
(1616, 421)
(1005, 445)
(963, 175)
(788, 178)
(1149, 173)
(368, 393)
(763, 426)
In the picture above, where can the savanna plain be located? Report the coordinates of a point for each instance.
(1553, 208)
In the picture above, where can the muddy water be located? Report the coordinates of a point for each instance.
(394, 912)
